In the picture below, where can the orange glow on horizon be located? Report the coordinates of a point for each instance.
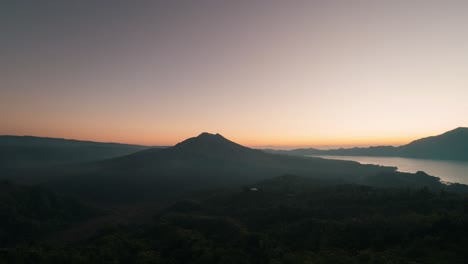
(283, 75)
(149, 139)
(323, 143)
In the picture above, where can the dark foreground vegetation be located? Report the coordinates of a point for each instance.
(28, 213)
(185, 204)
(287, 219)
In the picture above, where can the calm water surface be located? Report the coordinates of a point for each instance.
(450, 171)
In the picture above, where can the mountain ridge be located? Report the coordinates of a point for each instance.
(28, 152)
(451, 145)
(28, 139)
(210, 161)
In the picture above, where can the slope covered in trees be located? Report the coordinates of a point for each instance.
(289, 219)
(28, 213)
(23, 152)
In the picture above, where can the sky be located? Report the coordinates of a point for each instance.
(262, 73)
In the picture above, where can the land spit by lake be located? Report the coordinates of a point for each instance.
(446, 170)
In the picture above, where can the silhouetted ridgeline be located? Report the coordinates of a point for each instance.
(209, 161)
(452, 145)
(37, 152)
(220, 202)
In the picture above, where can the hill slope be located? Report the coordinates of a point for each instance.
(452, 145)
(28, 212)
(208, 161)
(289, 219)
(38, 152)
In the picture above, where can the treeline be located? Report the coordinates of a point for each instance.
(27, 213)
(284, 220)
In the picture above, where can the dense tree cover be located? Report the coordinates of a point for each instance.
(287, 220)
(28, 212)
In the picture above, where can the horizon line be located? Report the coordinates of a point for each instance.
(255, 146)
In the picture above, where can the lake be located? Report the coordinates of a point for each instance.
(450, 171)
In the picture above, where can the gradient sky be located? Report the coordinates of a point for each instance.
(262, 73)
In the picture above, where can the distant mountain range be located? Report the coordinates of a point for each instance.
(204, 162)
(39, 152)
(451, 145)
